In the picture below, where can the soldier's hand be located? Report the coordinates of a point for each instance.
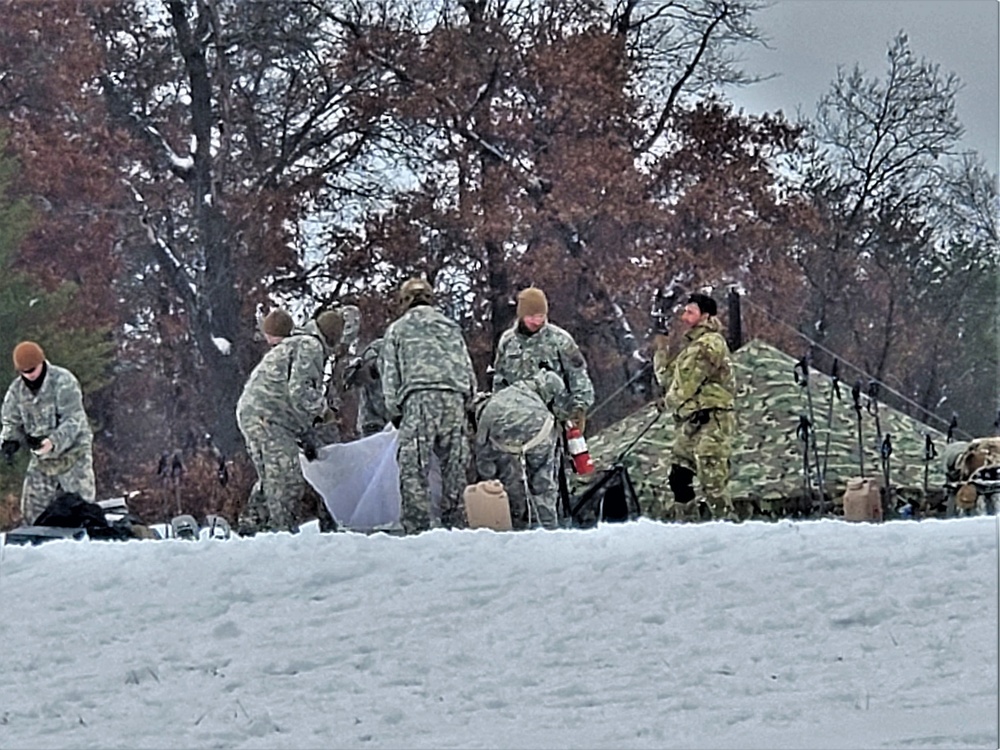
(307, 444)
(579, 418)
(45, 446)
(9, 448)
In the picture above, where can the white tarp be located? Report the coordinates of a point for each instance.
(359, 481)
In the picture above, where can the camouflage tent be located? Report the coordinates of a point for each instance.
(769, 476)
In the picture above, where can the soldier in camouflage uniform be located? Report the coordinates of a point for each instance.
(282, 402)
(43, 409)
(700, 392)
(363, 374)
(516, 442)
(428, 384)
(534, 343)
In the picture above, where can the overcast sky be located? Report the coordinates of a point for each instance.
(810, 38)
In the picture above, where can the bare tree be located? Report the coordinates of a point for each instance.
(896, 262)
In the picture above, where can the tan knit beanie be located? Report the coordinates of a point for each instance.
(277, 323)
(27, 356)
(531, 301)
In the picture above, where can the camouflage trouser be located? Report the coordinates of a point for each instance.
(705, 450)
(433, 422)
(279, 486)
(40, 488)
(538, 502)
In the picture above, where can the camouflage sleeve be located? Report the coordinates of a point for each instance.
(578, 382)
(10, 415)
(306, 391)
(389, 371)
(500, 365)
(72, 417)
(662, 365)
(486, 467)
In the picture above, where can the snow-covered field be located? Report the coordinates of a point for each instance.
(817, 634)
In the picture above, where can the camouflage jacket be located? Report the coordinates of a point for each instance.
(286, 387)
(520, 413)
(701, 377)
(423, 351)
(372, 415)
(521, 355)
(55, 412)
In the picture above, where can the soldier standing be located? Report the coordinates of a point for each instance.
(533, 343)
(282, 401)
(428, 384)
(516, 442)
(43, 409)
(700, 393)
(364, 375)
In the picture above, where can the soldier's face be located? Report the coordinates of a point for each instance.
(691, 315)
(33, 373)
(533, 322)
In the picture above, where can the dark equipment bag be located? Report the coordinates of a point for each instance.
(610, 497)
(72, 512)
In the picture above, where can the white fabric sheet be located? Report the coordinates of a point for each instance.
(359, 481)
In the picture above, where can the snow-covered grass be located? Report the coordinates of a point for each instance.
(818, 634)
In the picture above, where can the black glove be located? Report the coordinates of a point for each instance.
(701, 417)
(307, 444)
(9, 448)
(33, 442)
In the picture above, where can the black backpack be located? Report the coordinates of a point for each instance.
(70, 511)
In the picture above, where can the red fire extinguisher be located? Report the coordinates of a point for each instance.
(582, 463)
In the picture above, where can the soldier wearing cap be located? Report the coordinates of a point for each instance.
(43, 410)
(700, 393)
(282, 401)
(277, 324)
(534, 343)
(428, 384)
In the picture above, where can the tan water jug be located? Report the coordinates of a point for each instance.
(487, 506)
(862, 500)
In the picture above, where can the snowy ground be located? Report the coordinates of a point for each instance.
(815, 634)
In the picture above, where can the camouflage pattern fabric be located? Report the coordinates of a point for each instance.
(701, 376)
(372, 415)
(282, 400)
(700, 391)
(424, 350)
(433, 422)
(521, 354)
(516, 443)
(329, 429)
(705, 449)
(428, 384)
(278, 490)
(767, 462)
(54, 411)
